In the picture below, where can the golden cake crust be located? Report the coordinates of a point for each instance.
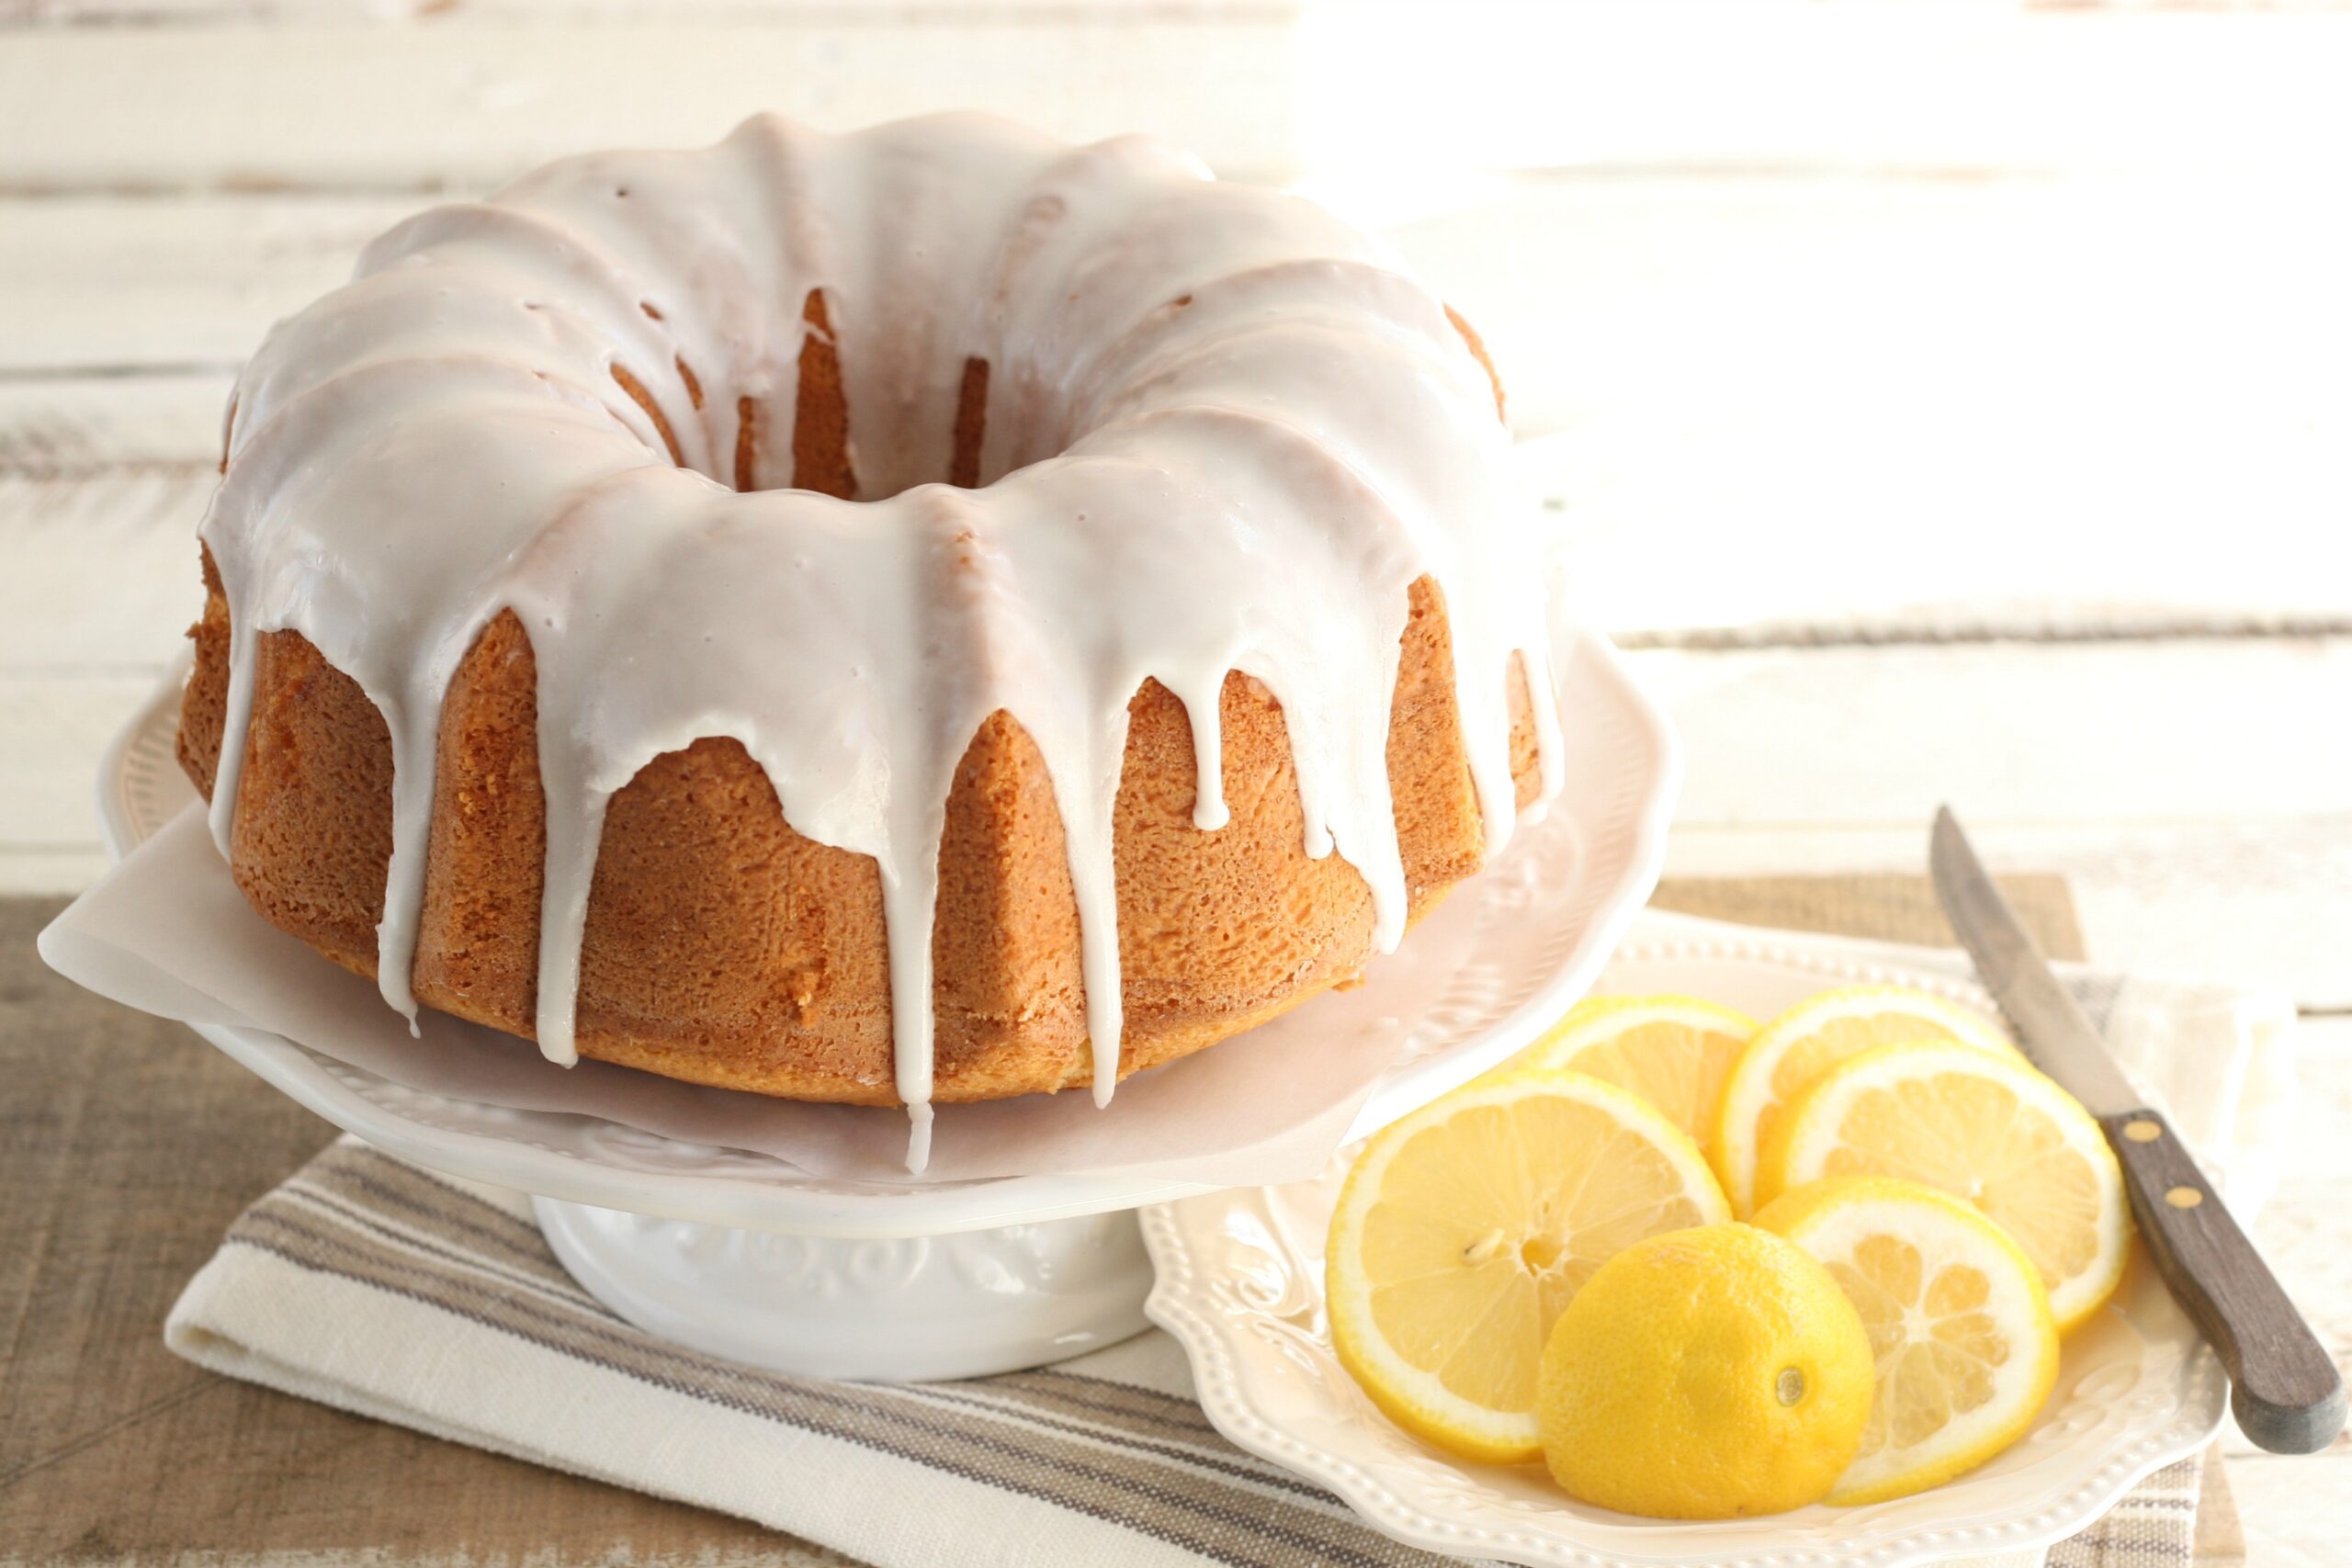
(722, 947)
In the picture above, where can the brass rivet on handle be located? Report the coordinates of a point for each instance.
(2184, 1197)
(2142, 1132)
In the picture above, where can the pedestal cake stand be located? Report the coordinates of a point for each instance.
(735, 1253)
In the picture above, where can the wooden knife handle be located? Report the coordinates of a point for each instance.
(2285, 1390)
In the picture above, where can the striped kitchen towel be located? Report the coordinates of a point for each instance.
(368, 1284)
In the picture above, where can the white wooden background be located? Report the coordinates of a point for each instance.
(1945, 402)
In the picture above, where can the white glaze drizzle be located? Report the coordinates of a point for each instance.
(1222, 432)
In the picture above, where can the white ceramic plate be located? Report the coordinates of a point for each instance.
(1540, 923)
(1240, 1285)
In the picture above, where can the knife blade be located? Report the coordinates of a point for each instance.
(2060, 1039)
(2285, 1390)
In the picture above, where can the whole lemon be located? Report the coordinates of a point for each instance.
(1705, 1374)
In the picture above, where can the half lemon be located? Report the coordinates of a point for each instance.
(1465, 1229)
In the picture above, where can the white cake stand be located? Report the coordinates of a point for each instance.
(734, 1253)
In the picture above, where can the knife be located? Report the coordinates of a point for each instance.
(2284, 1388)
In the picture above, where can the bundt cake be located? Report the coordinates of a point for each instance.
(927, 615)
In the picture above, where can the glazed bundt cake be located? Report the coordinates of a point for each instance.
(926, 615)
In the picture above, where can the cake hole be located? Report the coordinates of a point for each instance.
(817, 455)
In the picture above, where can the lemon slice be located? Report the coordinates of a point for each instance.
(1984, 1128)
(1465, 1229)
(1959, 1327)
(1805, 1041)
(1674, 1052)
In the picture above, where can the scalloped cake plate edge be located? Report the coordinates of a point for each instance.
(136, 794)
(1246, 1345)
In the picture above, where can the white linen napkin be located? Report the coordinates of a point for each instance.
(368, 1284)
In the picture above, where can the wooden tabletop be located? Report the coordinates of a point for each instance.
(138, 1144)
(1934, 406)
